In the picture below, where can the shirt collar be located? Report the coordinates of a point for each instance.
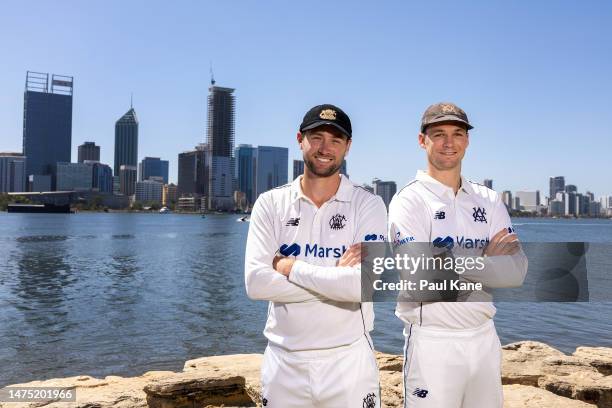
(440, 189)
(344, 192)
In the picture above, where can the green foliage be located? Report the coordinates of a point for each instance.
(6, 199)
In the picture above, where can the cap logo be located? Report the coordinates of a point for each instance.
(448, 109)
(328, 114)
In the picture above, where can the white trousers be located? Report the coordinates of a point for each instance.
(452, 368)
(333, 378)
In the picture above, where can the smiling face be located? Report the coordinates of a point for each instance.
(445, 144)
(324, 149)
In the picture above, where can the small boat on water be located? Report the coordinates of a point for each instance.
(243, 219)
(164, 210)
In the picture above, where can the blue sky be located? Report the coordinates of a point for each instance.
(534, 77)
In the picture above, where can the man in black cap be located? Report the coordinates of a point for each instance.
(452, 355)
(303, 256)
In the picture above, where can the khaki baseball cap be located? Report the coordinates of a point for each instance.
(444, 112)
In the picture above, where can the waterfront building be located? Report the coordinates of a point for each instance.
(385, 189)
(47, 125)
(88, 151)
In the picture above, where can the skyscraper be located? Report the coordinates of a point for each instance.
(127, 179)
(47, 123)
(529, 200)
(245, 159)
(220, 137)
(12, 172)
(102, 176)
(153, 167)
(507, 199)
(385, 189)
(556, 184)
(193, 169)
(298, 168)
(89, 151)
(488, 183)
(73, 176)
(570, 188)
(126, 141)
(271, 168)
(343, 168)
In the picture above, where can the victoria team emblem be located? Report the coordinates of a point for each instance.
(369, 401)
(337, 222)
(479, 214)
(328, 114)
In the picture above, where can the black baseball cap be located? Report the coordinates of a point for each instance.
(327, 114)
(444, 112)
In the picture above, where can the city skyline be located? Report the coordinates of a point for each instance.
(516, 82)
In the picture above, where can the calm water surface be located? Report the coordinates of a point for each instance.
(121, 294)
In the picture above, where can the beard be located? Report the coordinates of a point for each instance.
(324, 173)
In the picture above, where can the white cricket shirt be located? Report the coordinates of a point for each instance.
(319, 305)
(426, 210)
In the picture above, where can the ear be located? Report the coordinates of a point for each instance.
(421, 139)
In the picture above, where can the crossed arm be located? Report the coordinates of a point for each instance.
(269, 276)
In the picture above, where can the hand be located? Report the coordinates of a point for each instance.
(352, 256)
(283, 264)
(503, 243)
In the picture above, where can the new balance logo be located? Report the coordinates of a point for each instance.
(440, 215)
(420, 393)
(293, 222)
(479, 214)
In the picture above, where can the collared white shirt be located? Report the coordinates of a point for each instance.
(319, 305)
(426, 210)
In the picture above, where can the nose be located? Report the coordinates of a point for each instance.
(324, 147)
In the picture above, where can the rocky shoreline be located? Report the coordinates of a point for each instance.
(534, 375)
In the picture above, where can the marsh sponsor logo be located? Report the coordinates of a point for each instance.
(313, 250)
(290, 250)
(463, 242)
(399, 240)
(374, 237)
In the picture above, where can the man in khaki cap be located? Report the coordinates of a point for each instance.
(452, 355)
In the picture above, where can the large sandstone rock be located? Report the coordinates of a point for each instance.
(522, 396)
(578, 376)
(522, 362)
(598, 357)
(588, 386)
(234, 380)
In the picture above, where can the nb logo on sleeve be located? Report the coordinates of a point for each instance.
(420, 393)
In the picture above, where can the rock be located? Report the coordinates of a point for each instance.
(234, 380)
(522, 362)
(522, 396)
(245, 365)
(195, 389)
(584, 385)
(598, 357)
(389, 362)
